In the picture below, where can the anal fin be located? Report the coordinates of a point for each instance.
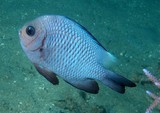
(49, 75)
(87, 85)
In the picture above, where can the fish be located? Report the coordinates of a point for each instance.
(60, 47)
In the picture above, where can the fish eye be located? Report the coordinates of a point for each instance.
(30, 30)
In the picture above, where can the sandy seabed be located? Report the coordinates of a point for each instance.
(128, 29)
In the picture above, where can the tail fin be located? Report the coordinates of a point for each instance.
(117, 82)
(106, 59)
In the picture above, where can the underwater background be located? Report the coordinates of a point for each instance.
(129, 29)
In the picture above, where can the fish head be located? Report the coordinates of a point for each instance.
(32, 35)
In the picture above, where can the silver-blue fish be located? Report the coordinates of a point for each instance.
(59, 46)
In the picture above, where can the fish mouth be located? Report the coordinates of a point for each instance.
(20, 33)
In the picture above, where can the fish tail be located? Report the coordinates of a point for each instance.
(116, 82)
(106, 59)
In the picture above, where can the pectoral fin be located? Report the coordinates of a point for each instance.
(49, 75)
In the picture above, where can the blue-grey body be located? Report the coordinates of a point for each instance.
(71, 52)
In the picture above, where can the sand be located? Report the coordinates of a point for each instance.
(128, 29)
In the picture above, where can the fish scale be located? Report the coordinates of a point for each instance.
(62, 47)
(75, 51)
(67, 41)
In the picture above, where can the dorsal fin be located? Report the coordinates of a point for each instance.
(86, 32)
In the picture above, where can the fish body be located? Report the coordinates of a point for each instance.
(59, 46)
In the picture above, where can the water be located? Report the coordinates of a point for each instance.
(128, 29)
